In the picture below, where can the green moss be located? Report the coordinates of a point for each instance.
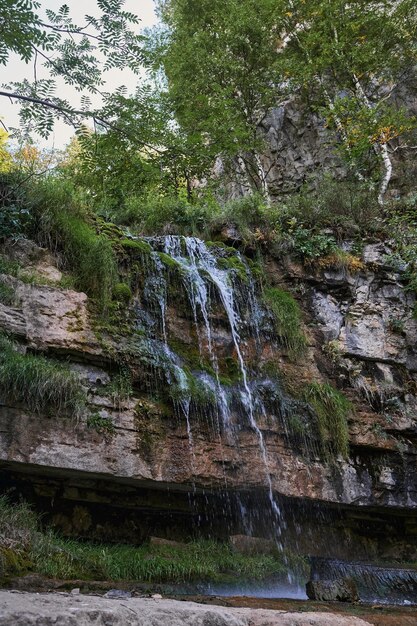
(136, 245)
(229, 371)
(122, 292)
(288, 320)
(190, 353)
(256, 269)
(331, 409)
(169, 262)
(196, 391)
(235, 264)
(40, 384)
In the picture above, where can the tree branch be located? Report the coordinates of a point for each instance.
(70, 31)
(68, 112)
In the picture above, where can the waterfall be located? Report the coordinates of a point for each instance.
(207, 280)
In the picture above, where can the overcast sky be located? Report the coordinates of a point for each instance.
(17, 70)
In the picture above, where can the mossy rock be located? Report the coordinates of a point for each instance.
(136, 246)
(122, 292)
(169, 262)
(235, 264)
(13, 563)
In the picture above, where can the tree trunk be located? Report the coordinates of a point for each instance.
(260, 170)
(381, 149)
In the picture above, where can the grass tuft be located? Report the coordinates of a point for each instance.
(40, 384)
(332, 409)
(288, 320)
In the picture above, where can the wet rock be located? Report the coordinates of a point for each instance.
(342, 590)
(244, 544)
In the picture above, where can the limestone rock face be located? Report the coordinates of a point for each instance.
(362, 337)
(49, 318)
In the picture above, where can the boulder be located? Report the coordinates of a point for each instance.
(244, 544)
(341, 590)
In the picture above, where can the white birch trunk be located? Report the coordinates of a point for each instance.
(381, 149)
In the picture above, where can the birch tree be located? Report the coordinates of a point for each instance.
(351, 57)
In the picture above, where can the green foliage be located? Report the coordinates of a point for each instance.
(343, 56)
(348, 207)
(102, 425)
(220, 62)
(121, 385)
(9, 267)
(201, 560)
(331, 409)
(195, 391)
(40, 384)
(167, 215)
(7, 294)
(65, 226)
(288, 320)
(15, 217)
(249, 214)
(195, 561)
(78, 54)
(402, 226)
(310, 245)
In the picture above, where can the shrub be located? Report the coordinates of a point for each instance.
(40, 384)
(288, 320)
(167, 215)
(15, 216)
(339, 259)
(102, 425)
(250, 215)
(331, 409)
(65, 226)
(348, 207)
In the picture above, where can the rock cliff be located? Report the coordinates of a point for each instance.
(138, 461)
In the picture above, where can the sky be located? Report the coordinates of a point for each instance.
(17, 70)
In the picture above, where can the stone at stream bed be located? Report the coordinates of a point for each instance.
(28, 609)
(342, 590)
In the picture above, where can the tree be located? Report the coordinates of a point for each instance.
(228, 61)
(220, 61)
(78, 54)
(350, 57)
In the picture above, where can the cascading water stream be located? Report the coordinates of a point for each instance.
(199, 266)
